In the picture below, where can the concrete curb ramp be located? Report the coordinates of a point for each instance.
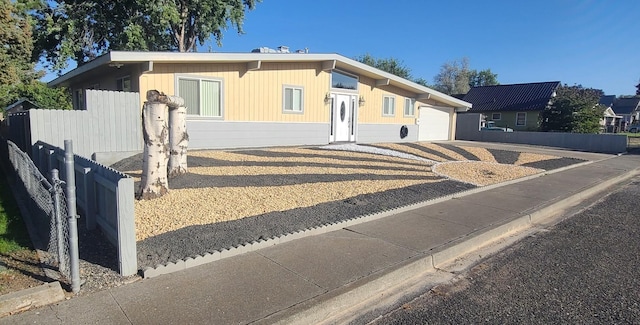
(22, 300)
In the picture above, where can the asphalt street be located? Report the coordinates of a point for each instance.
(583, 270)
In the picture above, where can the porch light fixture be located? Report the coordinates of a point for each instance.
(361, 101)
(327, 98)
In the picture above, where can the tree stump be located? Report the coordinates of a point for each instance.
(155, 131)
(178, 136)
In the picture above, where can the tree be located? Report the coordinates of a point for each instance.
(390, 65)
(483, 78)
(82, 30)
(638, 88)
(574, 109)
(18, 77)
(155, 132)
(15, 53)
(453, 77)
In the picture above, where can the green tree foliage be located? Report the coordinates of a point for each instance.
(18, 78)
(455, 77)
(574, 109)
(15, 52)
(390, 65)
(82, 30)
(482, 78)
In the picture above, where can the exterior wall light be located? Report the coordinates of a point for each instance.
(361, 101)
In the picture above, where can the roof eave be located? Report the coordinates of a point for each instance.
(166, 57)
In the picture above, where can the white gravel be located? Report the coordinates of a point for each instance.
(379, 151)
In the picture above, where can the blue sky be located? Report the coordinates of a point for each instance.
(595, 43)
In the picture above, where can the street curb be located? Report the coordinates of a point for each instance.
(22, 300)
(359, 295)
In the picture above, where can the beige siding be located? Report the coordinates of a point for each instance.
(371, 111)
(253, 95)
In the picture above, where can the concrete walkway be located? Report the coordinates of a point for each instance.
(311, 279)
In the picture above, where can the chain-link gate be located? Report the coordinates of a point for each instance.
(46, 205)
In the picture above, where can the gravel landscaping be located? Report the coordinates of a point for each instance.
(233, 197)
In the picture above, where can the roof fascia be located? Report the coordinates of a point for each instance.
(103, 59)
(331, 59)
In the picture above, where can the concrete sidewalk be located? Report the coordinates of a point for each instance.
(314, 278)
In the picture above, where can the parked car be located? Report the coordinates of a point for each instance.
(634, 128)
(491, 126)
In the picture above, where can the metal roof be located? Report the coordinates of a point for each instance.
(626, 105)
(331, 61)
(514, 97)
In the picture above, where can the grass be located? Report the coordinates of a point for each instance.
(631, 135)
(13, 233)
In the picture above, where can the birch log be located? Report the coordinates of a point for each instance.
(178, 136)
(155, 132)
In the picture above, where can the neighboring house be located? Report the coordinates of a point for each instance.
(610, 122)
(19, 106)
(627, 108)
(270, 99)
(516, 106)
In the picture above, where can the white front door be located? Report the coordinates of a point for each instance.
(343, 117)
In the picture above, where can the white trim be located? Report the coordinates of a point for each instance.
(393, 107)
(341, 62)
(177, 77)
(344, 89)
(411, 106)
(525, 118)
(293, 89)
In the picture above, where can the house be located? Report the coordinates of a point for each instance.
(516, 106)
(275, 99)
(610, 122)
(628, 108)
(19, 106)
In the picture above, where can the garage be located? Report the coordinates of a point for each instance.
(434, 123)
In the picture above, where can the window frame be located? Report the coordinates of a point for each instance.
(356, 77)
(220, 81)
(493, 116)
(284, 102)
(121, 81)
(79, 99)
(392, 100)
(524, 121)
(411, 105)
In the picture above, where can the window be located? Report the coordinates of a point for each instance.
(521, 119)
(343, 81)
(123, 84)
(388, 106)
(78, 99)
(292, 99)
(409, 109)
(496, 116)
(203, 97)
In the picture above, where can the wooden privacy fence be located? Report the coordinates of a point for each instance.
(110, 124)
(104, 196)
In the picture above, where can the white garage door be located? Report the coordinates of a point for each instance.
(435, 123)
